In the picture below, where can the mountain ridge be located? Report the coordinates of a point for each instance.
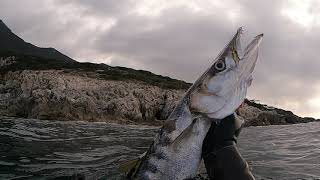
(12, 42)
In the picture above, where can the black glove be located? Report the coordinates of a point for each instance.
(221, 135)
(221, 157)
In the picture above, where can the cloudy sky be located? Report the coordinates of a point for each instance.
(180, 38)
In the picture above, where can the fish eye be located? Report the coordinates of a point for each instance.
(220, 65)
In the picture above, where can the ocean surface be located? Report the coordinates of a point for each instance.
(34, 149)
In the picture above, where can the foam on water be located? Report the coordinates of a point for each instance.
(33, 149)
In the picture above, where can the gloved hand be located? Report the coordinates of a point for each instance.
(220, 154)
(221, 135)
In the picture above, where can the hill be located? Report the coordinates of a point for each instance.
(12, 43)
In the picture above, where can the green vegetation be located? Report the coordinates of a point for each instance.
(101, 71)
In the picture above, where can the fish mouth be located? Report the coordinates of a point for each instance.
(234, 46)
(245, 60)
(226, 90)
(250, 56)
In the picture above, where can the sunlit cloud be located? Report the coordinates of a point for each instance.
(302, 12)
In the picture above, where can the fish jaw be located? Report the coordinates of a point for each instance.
(218, 94)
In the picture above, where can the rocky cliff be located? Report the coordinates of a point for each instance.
(73, 95)
(256, 114)
(56, 94)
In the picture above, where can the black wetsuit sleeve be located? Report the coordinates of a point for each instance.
(227, 164)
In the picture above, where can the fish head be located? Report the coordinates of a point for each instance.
(223, 87)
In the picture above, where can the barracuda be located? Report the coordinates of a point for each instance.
(176, 150)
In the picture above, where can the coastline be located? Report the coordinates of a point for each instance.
(76, 96)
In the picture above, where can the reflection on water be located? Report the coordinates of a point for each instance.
(33, 149)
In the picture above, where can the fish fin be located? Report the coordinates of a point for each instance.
(130, 167)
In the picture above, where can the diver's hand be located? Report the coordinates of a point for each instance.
(222, 135)
(220, 154)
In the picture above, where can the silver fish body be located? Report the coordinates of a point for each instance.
(176, 150)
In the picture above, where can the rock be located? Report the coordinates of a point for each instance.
(58, 95)
(64, 95)
(6, 61)
(261, 115)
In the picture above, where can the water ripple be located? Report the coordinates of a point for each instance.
(33, 149)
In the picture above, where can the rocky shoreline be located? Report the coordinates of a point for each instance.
(256, 114)
(59, 95)
(72, 95)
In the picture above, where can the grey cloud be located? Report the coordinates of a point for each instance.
(113, 8)
(176, 42)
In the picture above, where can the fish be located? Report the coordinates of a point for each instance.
(176, 150)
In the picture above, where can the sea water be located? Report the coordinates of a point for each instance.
(39, 149)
